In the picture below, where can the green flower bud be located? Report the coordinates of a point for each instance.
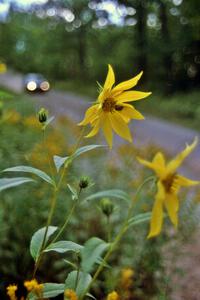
(107, 206)
(84, 182)
(42, 115)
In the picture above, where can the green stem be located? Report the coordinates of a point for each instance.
(108, 228)
(67, 219)
(118, 237)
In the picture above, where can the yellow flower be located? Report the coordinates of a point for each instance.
(168, 185)
(126, 281)
(111, 111)
(11, 290)
(33, 286)
(70, 295)
(113, 296)
(3, 67)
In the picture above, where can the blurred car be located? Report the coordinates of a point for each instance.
(36, 83)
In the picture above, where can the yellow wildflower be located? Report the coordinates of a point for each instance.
(70, 295)
(111, 110)
(33, 286)
(113, 296)
(11, 291)
(127, 278)
(3, 67)
(168, 186)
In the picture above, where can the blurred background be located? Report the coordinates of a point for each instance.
(74, 40)
(66, 46)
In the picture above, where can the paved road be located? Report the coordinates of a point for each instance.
(164, 134)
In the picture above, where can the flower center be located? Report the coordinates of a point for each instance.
(109, 105)
(170, 183)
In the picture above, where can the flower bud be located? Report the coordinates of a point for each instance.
(42, 115)
(84, 182)
(107, 206)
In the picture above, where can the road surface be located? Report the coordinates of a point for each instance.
(164, 134)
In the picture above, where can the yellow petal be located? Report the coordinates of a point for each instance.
(183, 181)
(157, 212)
(131, 96)
(110, 79)
(128, 84)
(157, 165)
(146, 163)
(90, 115)
(129, 112)
(107, 129)
(94, 130)
(172, 205)
(177, 161)
(120, 126)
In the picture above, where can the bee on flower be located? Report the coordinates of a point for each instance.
(112, 110)
(168, 185)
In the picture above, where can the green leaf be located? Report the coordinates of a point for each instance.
(64, 246)
(49, 120)
(6, 183)
(85, 149)
(141, 218)
(37, 239)
(59, 161)
(73, 191)
(119, 194)
(50, 290)
(91, 253)
(84, 280)
(31, 170)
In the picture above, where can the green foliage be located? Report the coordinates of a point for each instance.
(27, 169)
(78, 281)
(63, 246)
(6, 183)
(91, 253)
(37, 240)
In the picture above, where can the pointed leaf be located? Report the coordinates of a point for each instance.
(85, 149)
(6, 183)
(64, 246)
(37, 239)
(91, 253)
(141, 218)
(119, 194)
(59, 161)
(31, 170)
(73, 191)
(84, 280)
(49, 120)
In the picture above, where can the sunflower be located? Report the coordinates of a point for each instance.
(112, 110)
(168, 185)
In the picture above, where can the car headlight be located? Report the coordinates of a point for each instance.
(45, 86)
(31, 86)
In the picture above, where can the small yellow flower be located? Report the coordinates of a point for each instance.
(11, 291)
(113, 296)
(33, 286)
(3, 67)
(126, 280)
(112, 111)
(168, 186)
(70, 295)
